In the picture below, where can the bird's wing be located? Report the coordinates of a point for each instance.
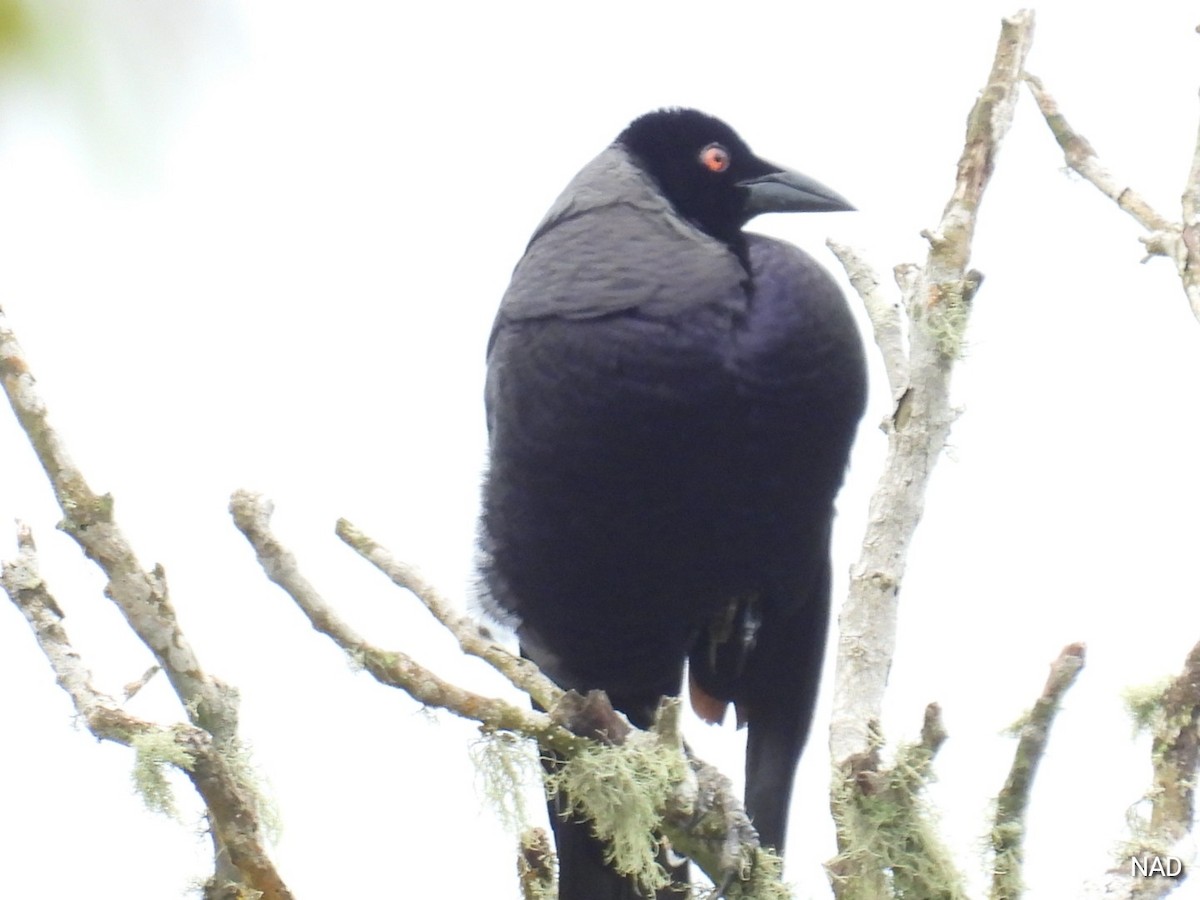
(612, 243)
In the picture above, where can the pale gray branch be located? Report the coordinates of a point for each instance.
(937, 299)
(887, 318)
(1180, 242)
(1190, 201)
(940, 295)
(140, 595)
(1080, 156)
(252, 514)
(472, 638)
(233, 806)
(29, 593)
(702, 818)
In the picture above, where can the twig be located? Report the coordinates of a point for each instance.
(141, 596)
(1083, 159)
(1008, 831)
(232, 804)
(887, 318)
(252, 513)
(210, 705)
(702, 818)
(131, 689)
(24, 585)
(1179, 242)
(472, 638)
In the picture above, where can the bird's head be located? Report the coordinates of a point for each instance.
(712, 178)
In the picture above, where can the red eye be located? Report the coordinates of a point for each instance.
(715, 158)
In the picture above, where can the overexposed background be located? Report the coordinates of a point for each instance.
(260, 244)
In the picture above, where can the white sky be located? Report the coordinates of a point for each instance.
(294, 296)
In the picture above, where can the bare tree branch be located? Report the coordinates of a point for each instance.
(1190, 202)
(252, 513)
(938, 299)
(24, 585)
(1187, 252)
(701, 815)
(212, 743)
(141, 596)
(1008, 830)
(1179, 242)
(472, 638)
(887, 317)
(1083, 159)
(225, 788)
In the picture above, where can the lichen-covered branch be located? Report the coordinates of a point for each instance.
(1180, 242)
(1176, 753)
(535, 865)
(1008, 830)
(233, 805)
(697, 811)
(472, 638)
(1160, 852)
(937, 302)
(888, 840)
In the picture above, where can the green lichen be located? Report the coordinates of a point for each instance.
(1007, 860)
(946, 321)
(507, 764)
(891, 831)
(765, 881)
(254, 784)
(1018, 726)
(1145, 706)
(536, 866)
(620, 791)
(154, 751)
(226, 890)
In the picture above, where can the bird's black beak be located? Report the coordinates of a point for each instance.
(785, 190)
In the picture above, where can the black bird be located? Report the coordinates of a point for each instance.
(671, 403)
